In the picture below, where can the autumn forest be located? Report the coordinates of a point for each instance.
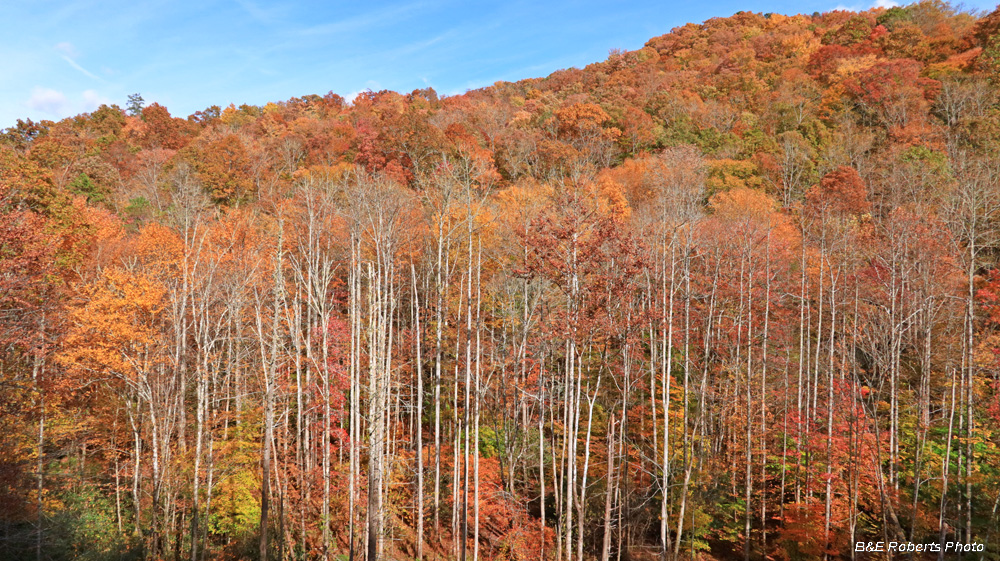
(733, 295)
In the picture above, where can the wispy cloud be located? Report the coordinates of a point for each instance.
(417, 46)
(83, 70)
(378, 18)
(69, 53)
(67, 49)
(267, 16)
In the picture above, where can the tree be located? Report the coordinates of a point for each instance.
(135, 105)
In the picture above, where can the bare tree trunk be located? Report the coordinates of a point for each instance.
(970, 380)
(420, 416)
(945, 466)
(456, 479)
(541, 461)
(609, 489)
(479, 296)
(466, 423)
(354, 279)
(666, 368)
(582, 504)
(38, 369)
(378, 318)
(829, 416)
(438, 349)
(749, 403)
(202, 402)
(763, 391)
(270, 365)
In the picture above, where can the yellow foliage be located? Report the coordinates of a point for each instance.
(854, 65)
(741, 202)
(116, 330)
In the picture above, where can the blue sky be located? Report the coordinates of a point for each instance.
(60, 58)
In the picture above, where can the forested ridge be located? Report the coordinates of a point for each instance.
(729, 296)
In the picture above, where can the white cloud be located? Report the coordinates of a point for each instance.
(57, 104)
(875, 4)
(92, 100)
(373, 86)
(49, 101)
(349, 98)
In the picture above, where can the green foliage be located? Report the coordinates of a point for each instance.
(108, 121)
(681, 130)
(83, 185)
(491, 443)
(138, 208)
(696, 528)
(135, 105)
(85, 528)
(893, 17)
(756, 140)
(856, 30)
(935, 161)
(989, 60)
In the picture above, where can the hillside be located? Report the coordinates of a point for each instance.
(732, 295)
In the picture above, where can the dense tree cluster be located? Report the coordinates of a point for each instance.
(729, 296)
